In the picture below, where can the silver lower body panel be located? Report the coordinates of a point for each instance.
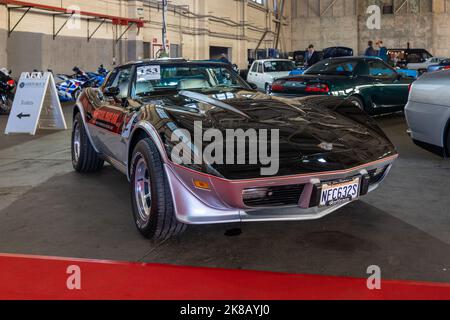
(224, 203)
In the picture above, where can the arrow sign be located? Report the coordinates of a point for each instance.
(37, 101)
(21, 115)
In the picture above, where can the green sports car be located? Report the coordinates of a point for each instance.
(368, 82)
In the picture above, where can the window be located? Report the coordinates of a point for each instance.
(260, 2)
(111, 78)
(175, 51)
(278, 66)
(121, 79)
(147, 50)
(255, 67)
(172, 77)
(388, 9)
(333, 67)
(379, 69)
(260, 68)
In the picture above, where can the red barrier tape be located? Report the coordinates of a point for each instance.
(37, 277)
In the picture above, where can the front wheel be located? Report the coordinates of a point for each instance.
(447, 152)
(5, 104)
(151, 197)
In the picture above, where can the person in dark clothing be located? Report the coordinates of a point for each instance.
(224, 59)
(370, 51)
(382, 51)
(312, 57)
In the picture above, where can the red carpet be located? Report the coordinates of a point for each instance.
(36, 277)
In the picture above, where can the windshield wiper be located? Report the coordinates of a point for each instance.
(227, 86)
(145, 94)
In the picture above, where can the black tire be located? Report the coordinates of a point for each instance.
(357, 101)
(268, 88)
(5, 108)
(447, 151)
(158, 222)
(84, 157)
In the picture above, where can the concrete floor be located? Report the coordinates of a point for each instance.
(403, 227)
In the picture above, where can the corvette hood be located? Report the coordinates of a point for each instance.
(315, 133)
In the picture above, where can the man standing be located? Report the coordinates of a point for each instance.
(224, 58)
(370, 51)
(382, 51)
(312, 57)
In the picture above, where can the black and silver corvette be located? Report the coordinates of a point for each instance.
(329, 151)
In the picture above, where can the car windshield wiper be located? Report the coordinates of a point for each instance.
(227, 86)
(145, 94)
(154, 93)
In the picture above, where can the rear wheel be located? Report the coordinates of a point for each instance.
(268, 88)
(151, 197)
(84, 157)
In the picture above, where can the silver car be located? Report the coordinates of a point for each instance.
(428, 112)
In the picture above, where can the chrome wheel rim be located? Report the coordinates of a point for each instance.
(356, 103)
(76, 142)
(142, 189)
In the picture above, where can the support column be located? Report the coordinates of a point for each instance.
(240, 54)
(438, 6)
(3, 37)
(135, 43)
(440, 34)
(202, 26)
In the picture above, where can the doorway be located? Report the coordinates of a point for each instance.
(215, 53)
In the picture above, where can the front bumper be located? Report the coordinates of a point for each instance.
(224, 201)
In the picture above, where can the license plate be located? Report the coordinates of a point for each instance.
(336, 193)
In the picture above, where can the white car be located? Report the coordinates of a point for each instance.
(264, 72)
(423, 66)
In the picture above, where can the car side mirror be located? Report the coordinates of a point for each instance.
(111, 92)
(125, 103)
(253, 86)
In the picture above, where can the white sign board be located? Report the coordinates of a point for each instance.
(36, 105)
(148, 73)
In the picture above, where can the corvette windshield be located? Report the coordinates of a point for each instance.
(151, 79)
(333, 67)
